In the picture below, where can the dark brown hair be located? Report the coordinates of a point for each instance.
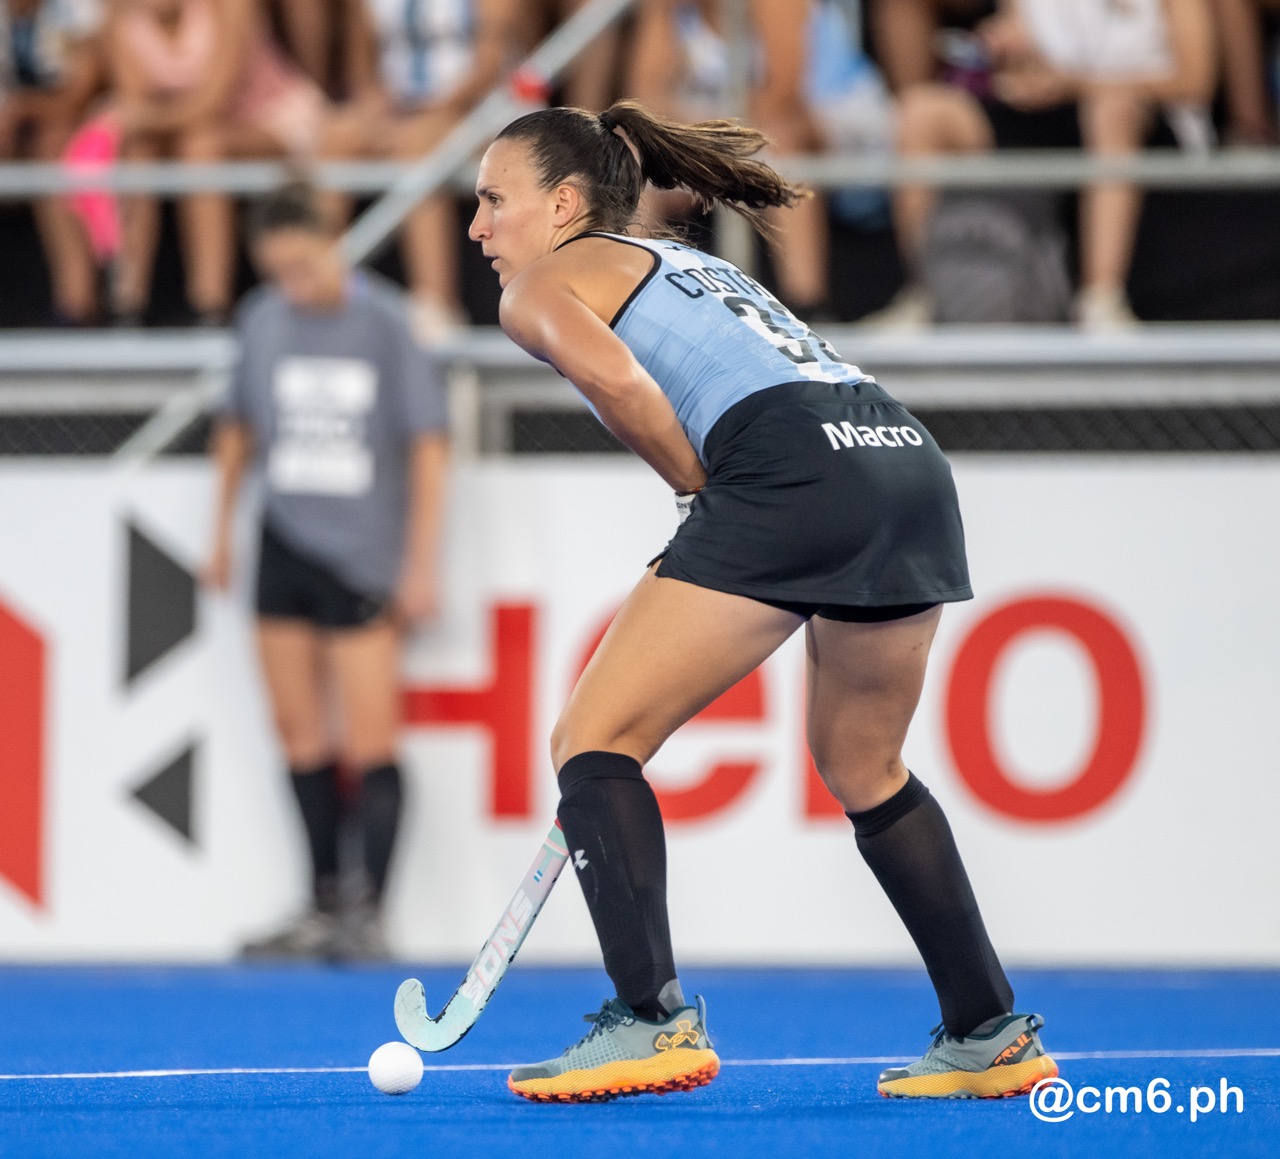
(294, 205)
(713, 160)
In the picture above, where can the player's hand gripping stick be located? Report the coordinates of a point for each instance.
(459, 1015)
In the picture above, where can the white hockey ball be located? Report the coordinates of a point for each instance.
(395, 1068)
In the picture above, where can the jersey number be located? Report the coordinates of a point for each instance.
(809, 348)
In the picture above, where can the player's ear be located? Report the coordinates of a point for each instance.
(567, 203)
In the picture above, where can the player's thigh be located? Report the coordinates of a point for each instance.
(863, 685)
(365, 666)
(292, 664)
(671, 650)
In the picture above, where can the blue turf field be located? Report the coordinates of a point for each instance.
(1198, 1026)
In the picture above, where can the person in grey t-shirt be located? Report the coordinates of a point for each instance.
(344, 417)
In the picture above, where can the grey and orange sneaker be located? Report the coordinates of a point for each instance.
(309, 935)
(624, 1054)
(1003, 1057)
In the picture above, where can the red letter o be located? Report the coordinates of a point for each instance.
(1121, 709)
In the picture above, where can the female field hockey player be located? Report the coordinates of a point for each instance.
(812, 498)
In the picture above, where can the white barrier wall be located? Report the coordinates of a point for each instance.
(1099, 723)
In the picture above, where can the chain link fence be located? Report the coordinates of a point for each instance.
(1114, 430)
(1117, 430)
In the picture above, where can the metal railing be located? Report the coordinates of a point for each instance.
(1029, 168)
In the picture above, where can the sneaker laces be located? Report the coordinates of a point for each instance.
(613, 1013)
(939, 1032)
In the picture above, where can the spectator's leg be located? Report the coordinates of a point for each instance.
(902, 33)
(73, 273)
(208, 229)
(308, 27)
(431, 235)
(593, 79)
(365, 663)
(1250, 119)
(140, 233)
(366, 666)
(351, 132)
(291, 655)
(1113, 122)
(800, 243)
(800, 256)
(932, 119)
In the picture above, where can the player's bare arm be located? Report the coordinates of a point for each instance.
(542, 312)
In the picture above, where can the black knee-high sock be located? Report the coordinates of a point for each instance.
(316, 790)
(908, 845)
(381, 795)
(613, 828)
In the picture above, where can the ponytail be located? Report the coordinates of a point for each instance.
(712, 160)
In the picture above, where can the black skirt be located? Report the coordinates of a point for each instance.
(824, 494)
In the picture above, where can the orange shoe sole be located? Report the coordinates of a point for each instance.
(599, 1086)
(997, 1082)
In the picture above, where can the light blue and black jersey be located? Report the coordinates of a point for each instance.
(710, 336)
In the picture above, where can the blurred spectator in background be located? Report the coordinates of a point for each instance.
(416, 70)
(592, 79)
(309, 31)
(905, 35)
(344, 415)
(202, 81)
(1250, 69)
(809, 88)
(1063, 73)
(49, 72)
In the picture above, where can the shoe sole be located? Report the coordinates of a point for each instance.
(659, 1075)
(997, 1082)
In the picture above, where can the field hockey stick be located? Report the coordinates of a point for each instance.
(459, 1015)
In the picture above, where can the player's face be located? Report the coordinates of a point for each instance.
(516, 220)
(303, 265)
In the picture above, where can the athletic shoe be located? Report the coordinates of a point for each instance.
(310, 935)
(1005, 1060)
(359, 936)
(1102, 309)
(624, 1054)
(910, 311)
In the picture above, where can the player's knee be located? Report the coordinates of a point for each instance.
(569, 738)
(857, 779)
